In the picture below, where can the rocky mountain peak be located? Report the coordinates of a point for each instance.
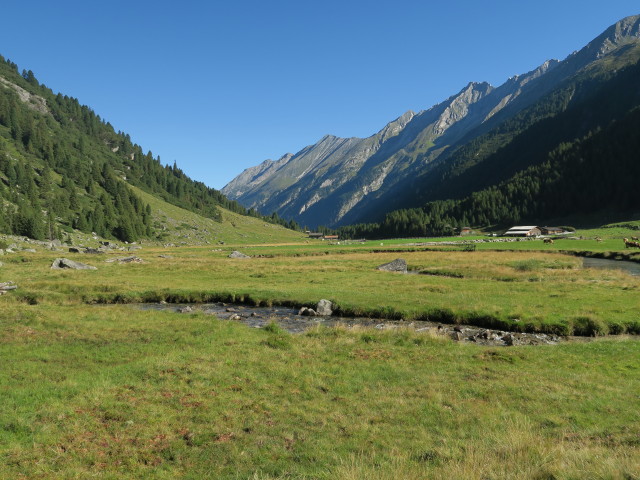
(458, 105)
(624, 31)
(393, 128)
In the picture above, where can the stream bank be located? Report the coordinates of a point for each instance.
(289, 319)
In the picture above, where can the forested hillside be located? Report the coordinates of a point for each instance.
(62, 167)
(580, 157)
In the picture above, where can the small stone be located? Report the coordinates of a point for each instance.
(186, 309)
(508, 339)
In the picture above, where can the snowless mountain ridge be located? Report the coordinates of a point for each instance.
(330, 182)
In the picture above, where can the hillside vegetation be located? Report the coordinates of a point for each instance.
(64, 169)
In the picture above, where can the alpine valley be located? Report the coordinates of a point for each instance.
(558, 142)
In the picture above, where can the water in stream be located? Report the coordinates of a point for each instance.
(289, 320)
(632, 268)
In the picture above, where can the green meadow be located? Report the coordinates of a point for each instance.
(92, 387)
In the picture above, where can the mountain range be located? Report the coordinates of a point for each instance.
(480, 138)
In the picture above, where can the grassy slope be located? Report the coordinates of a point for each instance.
(185, 227)
(182, 227)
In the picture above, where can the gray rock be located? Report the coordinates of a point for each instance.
(307, 312)
(235, 316)
(29, 250)
(237, 254)
(398, 265)
(6, 286)
(324, 308)
(74, 250)
(186, 309)
(125, 260)
(93, 251)
(62, 263)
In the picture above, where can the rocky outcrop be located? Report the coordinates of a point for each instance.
(34, 102)
(397, 265)
(132, 259)
(7, 287)
(237, 254)
(65, 263)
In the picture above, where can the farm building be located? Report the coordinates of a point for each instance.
(322, 236)
(466, 231)
(523, 231)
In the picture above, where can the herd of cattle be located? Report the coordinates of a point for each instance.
(631, 243)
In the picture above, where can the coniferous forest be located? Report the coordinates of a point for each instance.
(62, 167)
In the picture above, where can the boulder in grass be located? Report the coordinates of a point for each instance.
(62, 263)
(237, 254)
(125, 260)
(324, 308)
(398, 265)
(7, 286)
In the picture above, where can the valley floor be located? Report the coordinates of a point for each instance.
(116, 392)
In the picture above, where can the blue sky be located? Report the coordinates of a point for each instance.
(221, 86)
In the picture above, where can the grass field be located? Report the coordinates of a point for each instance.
(523, 291)
(109, 391)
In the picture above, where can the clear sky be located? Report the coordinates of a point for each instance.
(220, 86)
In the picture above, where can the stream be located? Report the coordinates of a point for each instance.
(632, 268)
(289, 320)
